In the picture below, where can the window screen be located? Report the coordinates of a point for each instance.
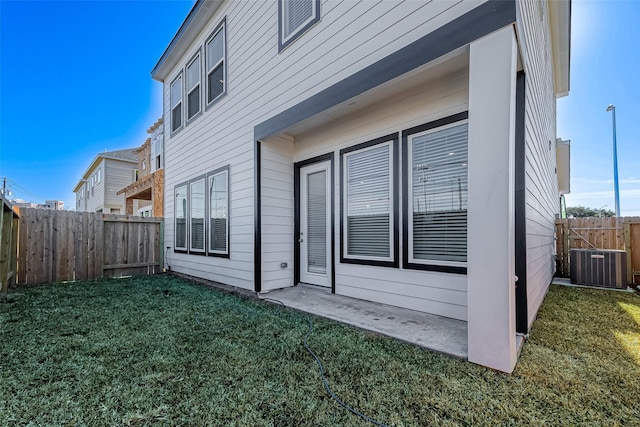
(176, 104)
(215, 51)
(193, 88)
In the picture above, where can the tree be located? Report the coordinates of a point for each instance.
(582, 212)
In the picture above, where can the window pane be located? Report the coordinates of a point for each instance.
(181, 217)
(296, 14)
(176, 117)
(197, 215)
(218, 212)
(215, 50)
(439, 188)
(216, 82)
(317, 222)
(193, 73)
(176, 92)
(368, 203)
(193, 103)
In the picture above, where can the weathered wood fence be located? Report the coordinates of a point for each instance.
(8, 245)
(62, 245)
(600, 233)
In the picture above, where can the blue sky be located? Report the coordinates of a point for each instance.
(74, 81)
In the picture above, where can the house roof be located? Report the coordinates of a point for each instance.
(155, 126)
(128, 155)
(196, 20)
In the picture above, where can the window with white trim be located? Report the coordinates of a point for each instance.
(437, 194)
(296, 17)
(193, 87)
(368, 202)
(176, 103)
(215, 52)
(180, 238)
(218, 185)
(196, 216)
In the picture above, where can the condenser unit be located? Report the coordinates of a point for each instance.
(595, 267)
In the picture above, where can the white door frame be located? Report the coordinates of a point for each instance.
(304, 169)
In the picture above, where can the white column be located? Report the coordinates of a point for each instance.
(491, 244)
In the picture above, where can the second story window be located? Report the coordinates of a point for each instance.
(296, 17)
(176, 104)
(193, 87)
(215, 61)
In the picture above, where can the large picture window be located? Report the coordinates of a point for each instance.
(216, 51)
(369, 202)
(196, 215)
(296, 17)
(437, 195)
(176, 104)
(181, 218)
(218, 185)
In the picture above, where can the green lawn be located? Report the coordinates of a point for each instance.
(162, 351)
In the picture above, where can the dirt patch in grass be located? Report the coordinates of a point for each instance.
(163, 351)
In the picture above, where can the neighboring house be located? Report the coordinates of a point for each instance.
(108, 172)
(401, 152)
(148, 188)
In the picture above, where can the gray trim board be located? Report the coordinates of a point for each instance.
(482, 20)
(520, 214)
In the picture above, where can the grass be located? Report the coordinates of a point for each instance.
(162, 351)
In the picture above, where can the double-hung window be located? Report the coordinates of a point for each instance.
(193, 87)
(215, 64)
(218, 188)
(180, 238)
(437, 193)
(296, 17)
(369, 203)
(176, 103)
(196, 215)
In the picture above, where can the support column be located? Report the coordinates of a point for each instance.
(491, 230)
(129, 208)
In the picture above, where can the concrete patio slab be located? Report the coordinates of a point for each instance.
(433, 332)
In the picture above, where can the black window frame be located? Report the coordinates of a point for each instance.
(407, 171)
(282, 43)
(395, 202)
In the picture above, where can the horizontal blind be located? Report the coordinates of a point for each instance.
(440, 194)
(181, 218)
(317, 222)
(218, 212)
(197, 215)
(296, 13)
(368, 203)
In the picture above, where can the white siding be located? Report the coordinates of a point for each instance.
(542, 197)
(117, 175)
(438, 293)
(260, 84)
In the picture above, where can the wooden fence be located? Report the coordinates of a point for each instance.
(8, 245)
(600, 233)
(61, 245)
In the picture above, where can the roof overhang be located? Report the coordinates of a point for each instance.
(196, 21)
(560, 23)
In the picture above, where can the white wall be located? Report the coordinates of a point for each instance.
(261, 83)
(542, 196)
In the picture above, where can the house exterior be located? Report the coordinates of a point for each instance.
(106, 175)
(147, 191)
(399, 152)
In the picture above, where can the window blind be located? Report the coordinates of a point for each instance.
(296, 14)
(368, 203)
(181, 218)
(440, 194)
(317, 222)
(197, 215)
(218, 212)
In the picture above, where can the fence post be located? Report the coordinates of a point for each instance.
(627, 249)
(566, 243)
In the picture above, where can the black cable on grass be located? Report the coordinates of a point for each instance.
(325, 382)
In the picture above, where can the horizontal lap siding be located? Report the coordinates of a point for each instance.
(260, 84)
(437, 293)
(542, 199)
(116, 176)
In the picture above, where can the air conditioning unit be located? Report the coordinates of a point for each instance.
(595, 267)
